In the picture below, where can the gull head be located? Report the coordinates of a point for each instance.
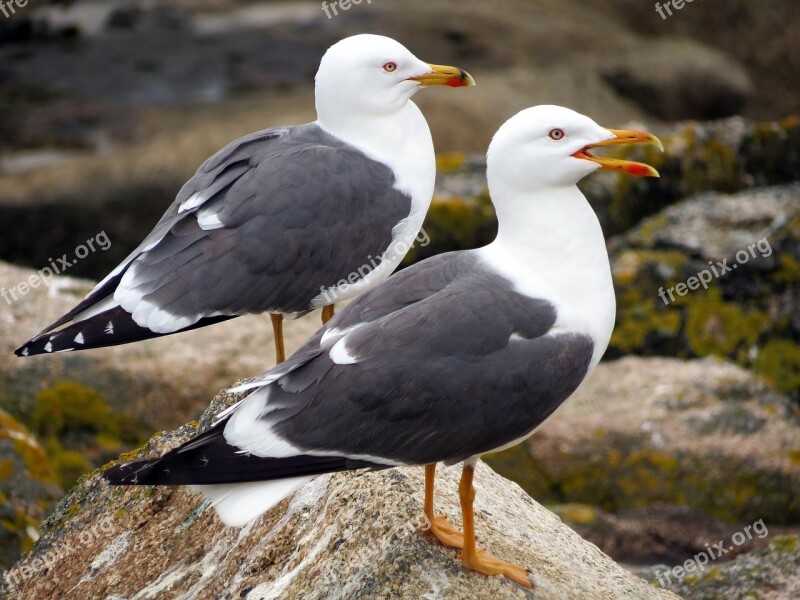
(550, 146)
(375, 75)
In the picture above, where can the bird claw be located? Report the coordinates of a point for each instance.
(483, 562)
(444, 531)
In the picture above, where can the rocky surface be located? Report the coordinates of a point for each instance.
(661, 534)
(146, 381)
(678, 78)
(353, 535)
(727, 156)
(703, 433)
(28, 489)
(771, 573)
(755, 34)
(746, 247)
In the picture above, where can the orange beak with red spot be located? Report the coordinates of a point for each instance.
(623, 136)
(445, 75)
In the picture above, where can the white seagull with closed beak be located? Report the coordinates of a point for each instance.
(275, 221)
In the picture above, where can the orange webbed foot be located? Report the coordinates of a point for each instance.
(483, 562)
(444, 531)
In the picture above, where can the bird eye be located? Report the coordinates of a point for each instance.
(556, 134)
(390, 67)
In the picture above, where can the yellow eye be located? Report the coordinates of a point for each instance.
(390, 67)
(556, 134)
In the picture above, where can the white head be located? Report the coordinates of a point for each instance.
(548, 146)
(374, 75)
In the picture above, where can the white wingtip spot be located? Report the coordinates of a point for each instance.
(340, 355)
(191, 202)
(79, 338)
(109, 328)
(25, 351)
(48, 347)
(208, 221)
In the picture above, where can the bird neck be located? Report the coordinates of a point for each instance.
(550, 245)
(402, 141)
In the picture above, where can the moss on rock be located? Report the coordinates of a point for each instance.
(619, 472)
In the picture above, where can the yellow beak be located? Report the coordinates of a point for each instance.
(444, 75)
(623, 136)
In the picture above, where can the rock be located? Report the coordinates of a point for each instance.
(747, 247)
(678, 79)
(726, 156)
(28, 489)
(147, 381)
(350, 535)
(702, 433)
(761, 40)
(771, 573)
(660, 533)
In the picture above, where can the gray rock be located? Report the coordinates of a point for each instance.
(351, 535)
(746, 248)
(771, 573)
(641, 431)
(135, 379)
(679, 78)
(28, 489)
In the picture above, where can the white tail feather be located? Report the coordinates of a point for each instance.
(239, 503)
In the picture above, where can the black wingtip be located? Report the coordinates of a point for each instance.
(126, 473)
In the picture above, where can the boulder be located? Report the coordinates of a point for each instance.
(28, 489)
(677, 79)
(350, 535)
(641, 431)
(746, 248)
(148, 381)
(770, 573)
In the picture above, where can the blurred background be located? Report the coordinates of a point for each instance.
(690, 428)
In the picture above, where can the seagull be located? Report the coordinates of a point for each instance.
(284, 220)
(462, 354)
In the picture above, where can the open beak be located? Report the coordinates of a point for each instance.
(623, 136)
(444, 75)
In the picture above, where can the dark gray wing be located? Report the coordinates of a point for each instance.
(450, 362)
(263, 225)
(296, 213)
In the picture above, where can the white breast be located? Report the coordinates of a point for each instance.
(403, 143)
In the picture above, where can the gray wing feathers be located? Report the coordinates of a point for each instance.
(439, 378)
(300, 210)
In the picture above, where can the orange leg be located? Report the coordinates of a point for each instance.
(475, 558)
(277, 329)
(327, 313)
(438, 525)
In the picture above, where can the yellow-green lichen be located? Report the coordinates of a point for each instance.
(789, 271)
(714, 326)
(786, 543)
(450, 162)
(779, 363)
(576, 514)
(620, 472)
(35, 460)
